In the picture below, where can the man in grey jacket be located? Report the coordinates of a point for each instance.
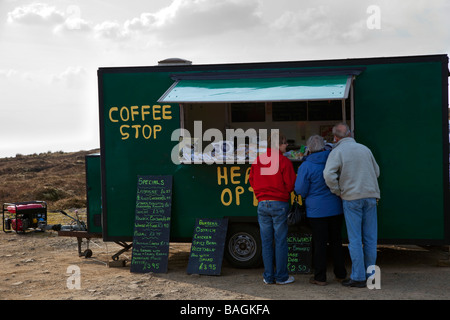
(351, 172)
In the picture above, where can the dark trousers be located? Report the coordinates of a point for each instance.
(327, 232)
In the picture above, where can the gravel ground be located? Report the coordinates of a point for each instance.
(38, 266)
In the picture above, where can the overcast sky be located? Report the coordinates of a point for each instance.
(50, 50)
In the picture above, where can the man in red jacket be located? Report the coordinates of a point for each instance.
(272, 178)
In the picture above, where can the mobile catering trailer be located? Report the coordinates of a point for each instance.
(196, 123)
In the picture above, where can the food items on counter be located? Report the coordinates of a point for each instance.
(296, 154)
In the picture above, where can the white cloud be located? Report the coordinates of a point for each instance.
(342, 27)
(301, 19)
(206, 17)
(111, 30)
(72, 76)
(72, 25)
(356, 32)
(322, 24)
(13, 76)
(8, 73)
(36, 13)
(185, 18)
(46, 15)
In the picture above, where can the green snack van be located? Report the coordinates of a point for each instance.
(203, 125)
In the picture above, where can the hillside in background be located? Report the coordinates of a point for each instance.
(58, 178)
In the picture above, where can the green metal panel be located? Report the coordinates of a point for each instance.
(210, 191)
(265, 89)
(398, 115)
(93, 193)
(136, 140)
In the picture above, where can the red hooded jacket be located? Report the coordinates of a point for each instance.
(272, 177)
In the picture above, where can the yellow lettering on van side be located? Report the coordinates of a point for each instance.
(124, 114)
(247, 174)
(167, 114)
(125, 135)
(134, 112)
(230, 197)
(149, 129)
(111, 110)
(156, 110)
(234, 174)
(239, 191)
(136, 126)
(255, 201)
(221, 176)
(144, 112)
(156, 128)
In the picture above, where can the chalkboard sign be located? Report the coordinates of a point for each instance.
(207, 247)
(152, 224)
(299, 253)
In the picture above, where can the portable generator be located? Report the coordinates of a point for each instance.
(22, 216)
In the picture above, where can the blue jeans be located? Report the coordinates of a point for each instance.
(361, 221)
(272, 218)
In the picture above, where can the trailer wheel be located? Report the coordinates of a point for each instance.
(87, 253)
(243, 246)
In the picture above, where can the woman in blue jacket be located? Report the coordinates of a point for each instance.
(323, 210)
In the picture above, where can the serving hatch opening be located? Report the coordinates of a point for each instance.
(298, 102)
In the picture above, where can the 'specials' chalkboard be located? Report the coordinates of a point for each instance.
(152, 224)
(207, 247)
(299, 252)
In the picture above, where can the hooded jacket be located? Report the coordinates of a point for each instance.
(319, 200)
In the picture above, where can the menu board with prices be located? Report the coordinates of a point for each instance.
(152, 224)
(299, 252)
(208, 243)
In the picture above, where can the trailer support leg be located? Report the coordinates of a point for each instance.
(86, 253)
(125, 246)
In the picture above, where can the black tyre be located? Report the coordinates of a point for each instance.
(87, 253)
(243, 246)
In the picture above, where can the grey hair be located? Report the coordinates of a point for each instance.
(341, 130)
(315, 143)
